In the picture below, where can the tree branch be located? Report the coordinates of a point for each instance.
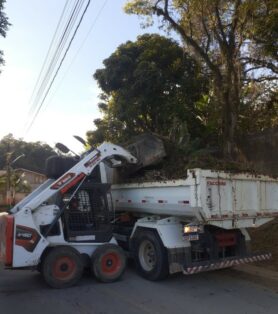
(206, 31)
(252, 69)
(262, 79)
(234, 21)
(189, 40)
(220, 26)
(261, 63)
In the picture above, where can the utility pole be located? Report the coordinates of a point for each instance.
(8, 183)
(9, 163)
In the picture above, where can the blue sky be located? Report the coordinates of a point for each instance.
(72, 105)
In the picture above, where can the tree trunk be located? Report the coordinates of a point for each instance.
(228, 94)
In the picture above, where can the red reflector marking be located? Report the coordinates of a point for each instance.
(63, 180)
(216, 182)
(226, 239)
(183, 202)
(9, 240)
(72, 183)
(244, 215)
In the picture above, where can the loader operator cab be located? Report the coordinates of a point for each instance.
(87, 210)
(87, 214)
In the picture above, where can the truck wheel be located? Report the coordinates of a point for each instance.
(62, 267)
(150, 256)
(108, 263)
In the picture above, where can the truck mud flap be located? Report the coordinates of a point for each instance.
(225, 263)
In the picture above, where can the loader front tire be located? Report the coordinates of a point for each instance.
(62, 267)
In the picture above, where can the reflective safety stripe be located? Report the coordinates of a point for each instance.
(225, 264)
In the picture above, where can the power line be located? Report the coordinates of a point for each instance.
(62, 41)
(60, 64)
(80, 47)
(57, 53)
(49, 49)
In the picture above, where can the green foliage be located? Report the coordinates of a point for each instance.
(236, 44)
(4, 24)
(17, 183)
(35, 153)
(149, 85)
(265, 31)
(259, 110)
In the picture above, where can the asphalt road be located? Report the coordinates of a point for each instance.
(216, 292)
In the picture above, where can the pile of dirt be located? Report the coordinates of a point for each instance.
(265, 239)
(174, 166)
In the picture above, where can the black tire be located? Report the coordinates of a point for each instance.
(150, 256)
(62, 267)
(108, 263)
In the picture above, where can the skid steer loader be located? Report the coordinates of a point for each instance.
(65, 224)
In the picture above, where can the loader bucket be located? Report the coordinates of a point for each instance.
(148, 149)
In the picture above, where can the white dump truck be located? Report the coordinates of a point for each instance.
(193, 225)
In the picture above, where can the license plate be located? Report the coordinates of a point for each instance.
(191, 237)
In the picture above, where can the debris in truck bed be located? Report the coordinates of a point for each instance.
(175, 164)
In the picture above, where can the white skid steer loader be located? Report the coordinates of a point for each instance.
(65, 224)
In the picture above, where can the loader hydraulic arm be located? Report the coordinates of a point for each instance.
(106, 152)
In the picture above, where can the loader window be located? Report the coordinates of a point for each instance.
(83, 201)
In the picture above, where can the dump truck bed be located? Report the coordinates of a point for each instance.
(218, 198)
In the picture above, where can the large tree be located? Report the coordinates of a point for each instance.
(149, 85)
(4, 24)
(227, 37)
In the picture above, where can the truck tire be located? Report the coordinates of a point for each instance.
(108, 263)
(150, 256)
(62, 267)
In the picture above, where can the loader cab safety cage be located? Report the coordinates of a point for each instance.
(87, 215)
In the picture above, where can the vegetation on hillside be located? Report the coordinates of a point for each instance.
(215, 86)
(235, 41)
(150, 85)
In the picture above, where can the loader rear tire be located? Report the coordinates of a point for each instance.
(62, 267)
(108, 263)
